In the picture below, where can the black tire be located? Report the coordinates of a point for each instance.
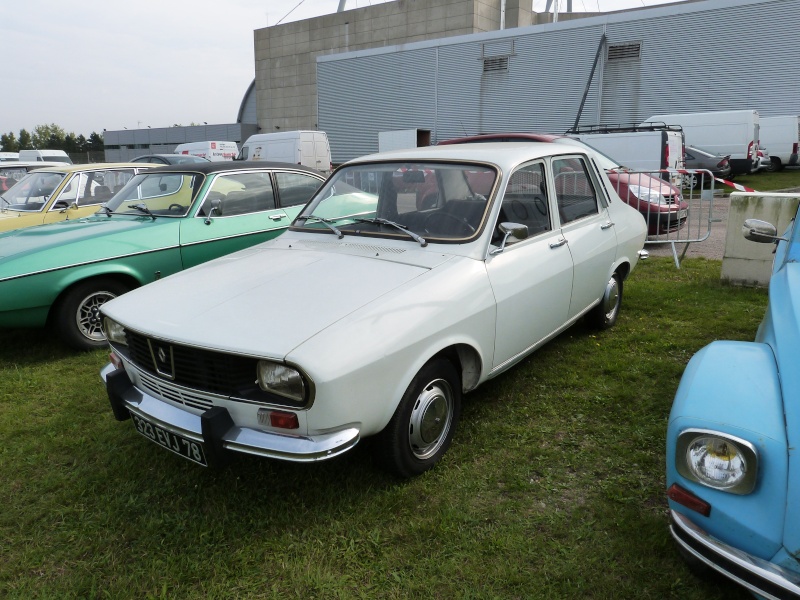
(605, 314)
(423, 425)
(77, 316)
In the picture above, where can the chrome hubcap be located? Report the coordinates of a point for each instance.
(611, 299)
(431, 418)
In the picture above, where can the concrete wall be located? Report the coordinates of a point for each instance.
(285, 55)
(750, 263)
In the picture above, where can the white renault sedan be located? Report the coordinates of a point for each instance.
(409, 279)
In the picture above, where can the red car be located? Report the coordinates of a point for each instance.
(660, 202)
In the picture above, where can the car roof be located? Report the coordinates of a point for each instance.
(500, 153)
(502, 137)
(231, 165)
(67, 168)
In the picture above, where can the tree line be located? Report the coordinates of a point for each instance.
(51, 137)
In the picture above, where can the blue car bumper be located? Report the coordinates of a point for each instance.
(759, 576)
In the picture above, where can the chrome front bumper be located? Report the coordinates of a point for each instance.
(215, 430)
(757, 575)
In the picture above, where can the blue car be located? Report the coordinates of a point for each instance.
(733, 442)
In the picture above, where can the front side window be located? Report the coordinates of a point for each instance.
(296, 188)
(437, 201)
(525, 199)
(575, 193)
(32, 192)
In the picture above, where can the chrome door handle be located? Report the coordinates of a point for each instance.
(559, 243)
(608, 225)
(277, 217)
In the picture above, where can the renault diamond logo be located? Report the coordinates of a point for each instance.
(163, 359)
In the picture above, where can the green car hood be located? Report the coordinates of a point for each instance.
(59, 245)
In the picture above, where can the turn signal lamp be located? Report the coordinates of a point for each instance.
(686, 498)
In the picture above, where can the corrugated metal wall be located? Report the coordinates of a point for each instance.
(699, 57)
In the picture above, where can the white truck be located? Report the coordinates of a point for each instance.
(781, 137)
(307, 148)
(213, 151)
(726, 132)
(652, 147)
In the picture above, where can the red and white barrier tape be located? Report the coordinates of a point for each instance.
(737, 186)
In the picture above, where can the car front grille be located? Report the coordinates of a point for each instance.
(192, 376)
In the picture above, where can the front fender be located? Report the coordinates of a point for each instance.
(733, 388)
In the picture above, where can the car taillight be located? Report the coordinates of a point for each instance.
(723, 163)
(794, 148)
(749, 150)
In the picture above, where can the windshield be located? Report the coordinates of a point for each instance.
(30, 194)
(437, 201)
(163, 194)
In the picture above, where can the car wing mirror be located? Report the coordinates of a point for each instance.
(512, 232)
(216, 209)
(62, 205)
(760, 232)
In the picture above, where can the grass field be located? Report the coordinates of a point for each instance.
(553, 488)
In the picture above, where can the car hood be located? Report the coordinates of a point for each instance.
(267, 300)
(59, 245)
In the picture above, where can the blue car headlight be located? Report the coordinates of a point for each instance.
(717, 460)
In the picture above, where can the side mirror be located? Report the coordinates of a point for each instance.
(62, 205)
(760, 232)
(216, 208)
(512, 232)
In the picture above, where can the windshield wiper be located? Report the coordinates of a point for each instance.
(417, 238)
(327, 222)
(109, 212)
(143, 207)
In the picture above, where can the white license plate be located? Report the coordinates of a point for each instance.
(682, 213)
(178, 444)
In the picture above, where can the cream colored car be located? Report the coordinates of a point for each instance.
(63, 192)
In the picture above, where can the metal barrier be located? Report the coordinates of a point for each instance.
(677, 205)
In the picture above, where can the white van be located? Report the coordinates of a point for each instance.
(9, 156)
(725, 132)
(307, 148)
(781, 137)
(213, 151)
(655, 147)
(58, 156)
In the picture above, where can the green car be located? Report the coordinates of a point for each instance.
(164, 220)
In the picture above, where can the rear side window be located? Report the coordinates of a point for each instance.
(575, 194)
(525, 200)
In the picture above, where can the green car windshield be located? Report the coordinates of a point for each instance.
(31, 193)
(162, 194)
(444, 201)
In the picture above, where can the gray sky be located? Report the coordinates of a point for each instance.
(92, 65)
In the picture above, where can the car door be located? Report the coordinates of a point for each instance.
(586, 229)
(238, 210)
(531, 278)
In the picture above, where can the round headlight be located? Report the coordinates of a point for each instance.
(115, 333)
(280, 379)
(717, 462)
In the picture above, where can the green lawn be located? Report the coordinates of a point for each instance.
(553, 488)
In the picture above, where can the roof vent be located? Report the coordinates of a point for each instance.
(632, 51)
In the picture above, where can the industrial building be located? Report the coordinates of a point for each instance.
(457, 67)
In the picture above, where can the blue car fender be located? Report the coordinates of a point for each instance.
(733, 388)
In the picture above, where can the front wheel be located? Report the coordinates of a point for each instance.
(77, 317)
(424, 422)
(604, 315)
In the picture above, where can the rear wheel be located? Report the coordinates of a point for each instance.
(605, 314)
(77, 316)
(424, 422)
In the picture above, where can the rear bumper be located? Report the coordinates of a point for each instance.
(759, 576)
(214, 429)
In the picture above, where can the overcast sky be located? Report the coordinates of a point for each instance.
(93, 65)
